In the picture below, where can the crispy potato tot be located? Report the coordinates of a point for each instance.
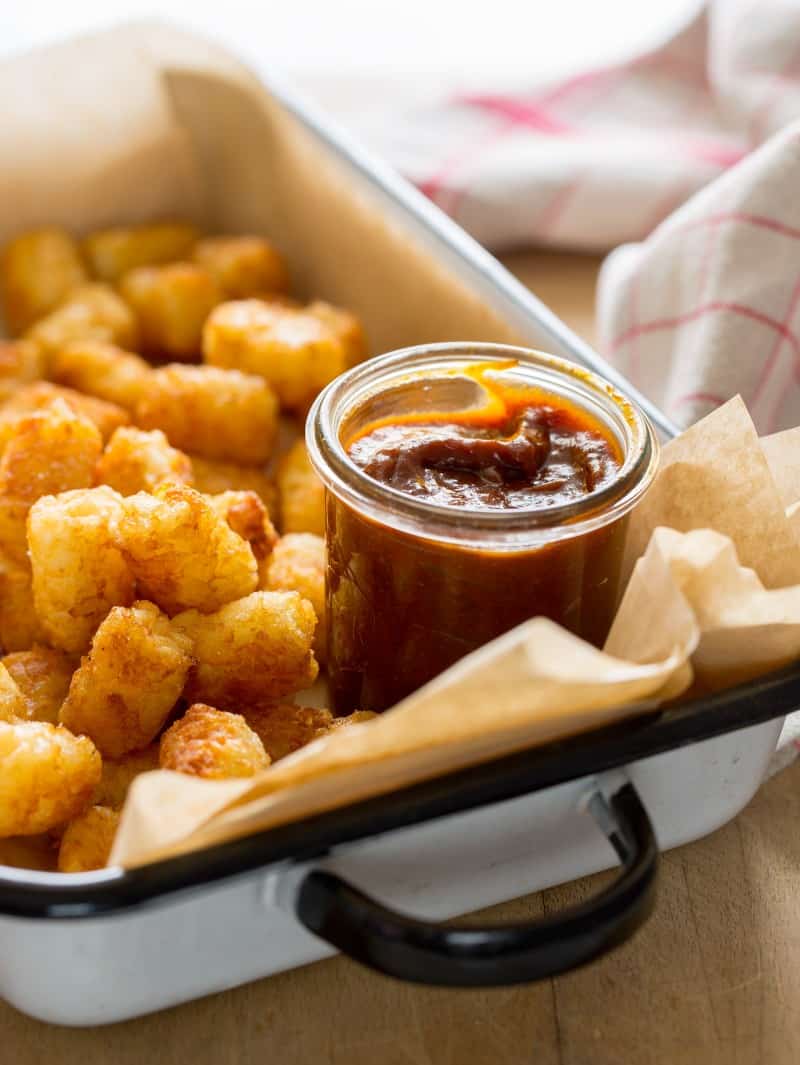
(171, 304)
(221, 414)
(284, 727)
(79, 571)
(14, 529)
(255, 650)
(111, 253)
(138, 461)
(42, 676)
(212, 743)
(102, 370)
(21, 361)
(345, 326)
(29, 852)
(19, 624)
(243, 266)
(87, 840)
(297, 564)
(213, 478)
(90, 312)
(247, 516)
(119, 774)
(50, 451)
(125, 688)
(182, 553)
(12, 701)
(296, 352)
(41, 396)
(301, 493)
(48, 776)
(37, 270)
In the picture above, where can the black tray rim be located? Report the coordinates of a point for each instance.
(38, 895)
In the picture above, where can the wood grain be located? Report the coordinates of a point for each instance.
(713, 978)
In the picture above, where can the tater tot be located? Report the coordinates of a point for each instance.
(21, 361)
(257, 649)
(284, 727)
(42, 395)
(102, 370)
(48, 776)
(79, 571)
(113, 252)
(182, 553)
(42, 676)
(12, 701)
(297, 564)
(222, 414)
(214, 478)
(247, 516)
(19, 623)
(171, 304)
(138, 461)
(301, 494)
(91, 312)
(37, 270)
(13, 529)
(212, 743)
(243, 266)
(345, 326)
(296, 352)
(87, 840)
(29, 852)
(50, 451)
(124, 689)
(120, 773)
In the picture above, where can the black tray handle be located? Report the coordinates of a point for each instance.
(452, 955)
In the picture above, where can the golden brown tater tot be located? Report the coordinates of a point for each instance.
(42, 676)
(171, 304)
(79, 571)
(182, 553)
(113, 252)
(139, 461)
(212, 743)
(126, 686)
(243, 266)
(37, 270)
(295, 351)
(87, 840)
(301, 493)
(255, 650)
(102, 370)
(48, 776)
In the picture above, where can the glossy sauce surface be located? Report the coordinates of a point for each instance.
(522, 449)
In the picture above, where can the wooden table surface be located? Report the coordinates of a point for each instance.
(713, 978)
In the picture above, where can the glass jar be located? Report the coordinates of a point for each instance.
(414, 585)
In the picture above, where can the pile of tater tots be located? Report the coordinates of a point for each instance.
(161, 556)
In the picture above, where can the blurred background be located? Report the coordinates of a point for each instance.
(359, 55)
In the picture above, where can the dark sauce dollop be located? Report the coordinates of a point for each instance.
(539, 456)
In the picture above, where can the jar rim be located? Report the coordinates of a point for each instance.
(502, 529)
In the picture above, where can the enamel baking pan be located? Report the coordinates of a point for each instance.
(377, 879)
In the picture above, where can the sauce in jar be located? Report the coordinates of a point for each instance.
(498, 501)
